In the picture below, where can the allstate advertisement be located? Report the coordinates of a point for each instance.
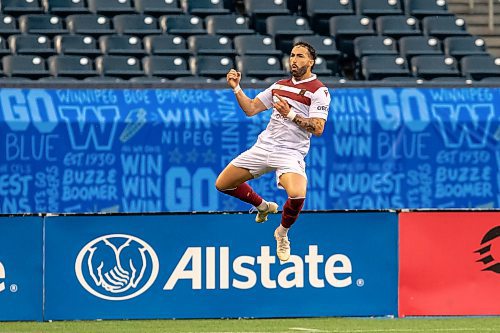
(213, 266)
(21, 273)
(152, 150)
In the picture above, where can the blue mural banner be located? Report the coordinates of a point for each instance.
(219, 266)
(152, 150)
(21, 271)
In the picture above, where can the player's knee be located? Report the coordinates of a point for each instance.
(220, 185)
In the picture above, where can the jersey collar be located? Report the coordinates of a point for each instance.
(312, 77)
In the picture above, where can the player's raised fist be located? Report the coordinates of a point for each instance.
(233, 78)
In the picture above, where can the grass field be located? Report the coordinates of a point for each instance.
(304, 325)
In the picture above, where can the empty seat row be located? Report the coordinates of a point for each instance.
(154, 7)
(97, 24)
(475, 67)
(257, 66)
(455, 46)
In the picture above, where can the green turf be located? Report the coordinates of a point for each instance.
(311, 325)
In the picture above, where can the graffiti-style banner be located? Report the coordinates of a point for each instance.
(150, 150)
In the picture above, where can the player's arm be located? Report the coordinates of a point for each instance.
(250, 106)
(316, 126)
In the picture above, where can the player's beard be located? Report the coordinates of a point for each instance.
(298, 72)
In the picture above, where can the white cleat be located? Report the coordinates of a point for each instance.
(282, 247)
(272, 208)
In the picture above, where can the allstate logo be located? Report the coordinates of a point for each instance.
(117, 267)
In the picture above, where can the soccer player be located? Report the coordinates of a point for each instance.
(300, 108)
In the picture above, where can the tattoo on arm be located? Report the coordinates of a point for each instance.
(312, 125)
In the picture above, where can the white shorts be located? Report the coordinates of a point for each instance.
(259, 161)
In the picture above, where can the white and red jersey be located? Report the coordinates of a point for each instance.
(309, 98)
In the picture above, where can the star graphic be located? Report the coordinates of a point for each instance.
(175, 156)
(192, 156)
(209, 156)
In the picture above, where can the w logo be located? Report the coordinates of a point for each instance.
(116, 267)
(464, 123)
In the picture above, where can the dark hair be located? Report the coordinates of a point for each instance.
(310, 49)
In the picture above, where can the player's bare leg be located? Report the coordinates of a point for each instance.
(296, 187)
(232, 181)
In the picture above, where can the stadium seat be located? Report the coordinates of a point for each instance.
(110, 7)
(203, 8)
(136, 24)
(460, 46)
(118, 66)
(19, 7)
(121, 45)
(211, 44)
(89, 24)
(259, 10)
(325, 47)
(104, 79)
(452, 80)
(347, 27)
(478, 67)
(376, 67)
(423, 8)
(320, 11)
(76, 44)
(398, 26)
(183, 25)
(259, 66)
(411, 46)
(402, 79)
(44, 24)
(285, 28)
(31, 44)
(372, 45)
(65, 7)
(255, 45)
(8, 25)
(3, 47)
(157, 7)
(31, 66)
(71, 65)
(444, 26)
(432, 66)
(165, 66)
(214, 66)
(320, 68)
(229, 25)
(165, 45)
(374, 8)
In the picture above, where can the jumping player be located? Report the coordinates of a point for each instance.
(300, 108)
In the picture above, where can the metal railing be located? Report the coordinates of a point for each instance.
(491, 12)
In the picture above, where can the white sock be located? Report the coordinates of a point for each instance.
(263, 205)
(282, 231)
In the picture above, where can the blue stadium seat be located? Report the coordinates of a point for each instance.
(157, 7)
(44, 24)
(444, 26)
(259, 11)
(30, 66)
(89, 24)
(183, 25)
(211, 44)
(204, 8)
(118, 66)
(76, 45)
(411, 46)
(165, 66)
(376, 67)
(422, 8)
(31, 44)
(65, 7)
(460, 46)
(374, 8)
(136, 24)
(8, 25)
(121, 45)
(19, 7)
(71, 65)
(320, 11)
(255, 45)
(165, 45)
(229, 25)
(110, 7)
(432, 66)
(480, 67)
(213, 66)
(259, 66)
(285, 28)
(398, 26)
(372, 45)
